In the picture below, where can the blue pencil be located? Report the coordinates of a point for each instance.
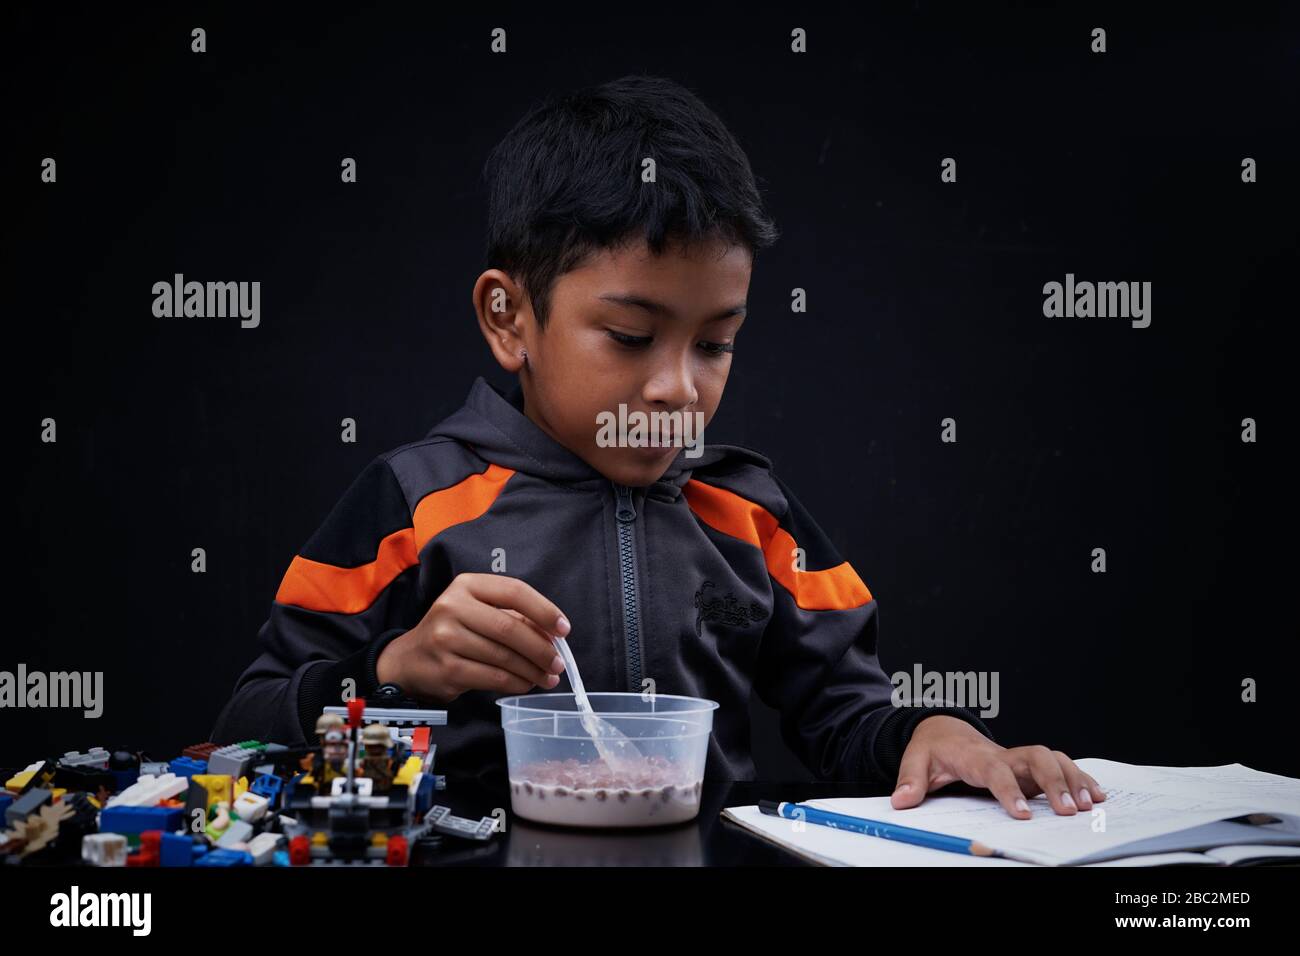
(876, 828)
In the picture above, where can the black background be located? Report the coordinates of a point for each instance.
(925, 301)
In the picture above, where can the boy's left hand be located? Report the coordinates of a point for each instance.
(944, 749)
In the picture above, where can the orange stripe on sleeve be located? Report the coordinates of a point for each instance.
(317, 586)
(834, 589)
(439, 510)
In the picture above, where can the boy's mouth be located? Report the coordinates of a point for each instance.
(653, 452)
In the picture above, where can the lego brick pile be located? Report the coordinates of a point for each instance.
(119, 810)
(358, 798)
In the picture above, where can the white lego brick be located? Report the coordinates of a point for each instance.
(263, 846)
(377, 801)
(250, 806)
(148, 790)
(104, 849)
(365, 786)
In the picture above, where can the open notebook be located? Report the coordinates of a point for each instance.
(1152, 816)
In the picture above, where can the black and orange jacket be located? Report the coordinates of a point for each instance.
(711, 582)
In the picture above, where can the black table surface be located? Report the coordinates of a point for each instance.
(708, 840)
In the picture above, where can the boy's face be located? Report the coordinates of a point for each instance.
(629, 328)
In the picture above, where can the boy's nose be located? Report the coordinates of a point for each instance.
(670, 390)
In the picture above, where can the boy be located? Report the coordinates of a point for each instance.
(450, 561)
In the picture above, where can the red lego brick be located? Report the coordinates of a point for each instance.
(150, 849)
(356, 707)
(420, 741)
(397, 851)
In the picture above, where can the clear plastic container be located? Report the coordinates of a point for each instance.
(557, 775)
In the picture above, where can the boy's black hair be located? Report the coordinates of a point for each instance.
(565, 182)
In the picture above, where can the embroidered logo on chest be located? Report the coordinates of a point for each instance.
(713, 606)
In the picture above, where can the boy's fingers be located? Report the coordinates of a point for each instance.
(556, 665)
(537, 630)
(472, 674)
(913, 779)
(1098, 794)
(1002, 782)
(501, 591)
(476, 647)
(1046, 771)
(1077, 782)
(512, 631)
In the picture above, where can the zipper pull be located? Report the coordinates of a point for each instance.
(625, 512)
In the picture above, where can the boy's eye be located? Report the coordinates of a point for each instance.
(641, 341)
(633, 341)
(718, 348)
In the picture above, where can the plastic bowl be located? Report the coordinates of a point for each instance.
(557, 775)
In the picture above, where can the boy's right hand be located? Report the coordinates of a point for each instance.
(484, 632)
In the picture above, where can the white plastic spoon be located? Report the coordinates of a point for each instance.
(614, 747)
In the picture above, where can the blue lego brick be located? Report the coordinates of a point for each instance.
(424, 794)
(135, 820)
(289, 788)
(269, 786)
(177, 850)
(224, 858)
(187, 766)
(125, 778)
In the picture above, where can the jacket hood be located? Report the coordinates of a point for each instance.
(494, 424)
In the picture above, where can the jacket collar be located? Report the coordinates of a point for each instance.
(494, 424)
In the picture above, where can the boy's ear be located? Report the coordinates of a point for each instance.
(502, 314)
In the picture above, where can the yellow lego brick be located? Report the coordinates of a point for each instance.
(218, 785)
(408, 771)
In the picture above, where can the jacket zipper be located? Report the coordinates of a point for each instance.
(625, 512)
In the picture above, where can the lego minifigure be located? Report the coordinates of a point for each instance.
(319, 761)
(334, 758)
(378, 763)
